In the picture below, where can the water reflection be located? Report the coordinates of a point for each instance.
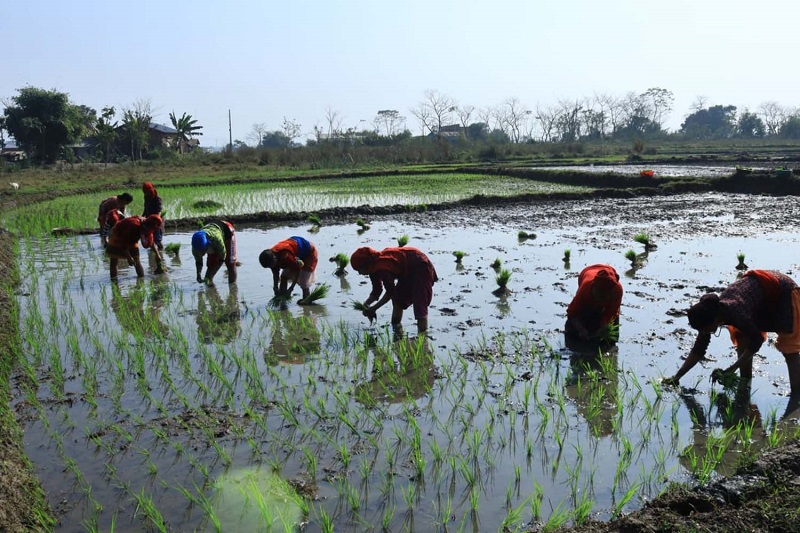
(138, 310)
(592, 383)
(402, 370)
(293, 337)
(218, 320)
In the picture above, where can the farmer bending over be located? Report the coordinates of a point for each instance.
(406, 274)
(595, 306)
(294, 258)
(761, 301)
(153, 206)
(218, 240)
(108, 205)
(123, 242)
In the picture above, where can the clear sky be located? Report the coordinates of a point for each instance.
(265, 60)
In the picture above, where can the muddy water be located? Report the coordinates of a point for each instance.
(482, 361)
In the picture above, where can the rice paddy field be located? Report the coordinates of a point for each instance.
(188, 201)
(162, 404)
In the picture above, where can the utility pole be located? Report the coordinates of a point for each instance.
(230, 134)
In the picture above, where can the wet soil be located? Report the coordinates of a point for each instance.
(764, 496)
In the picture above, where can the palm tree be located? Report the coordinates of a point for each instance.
(186, 127)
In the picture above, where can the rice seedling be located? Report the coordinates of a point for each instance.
(341, 260)
(567, 255)
(319, 292)
(402, 240)
(502, 280)
(459, 255)
(644, 239)
(496, 264)
(173, 248)
(315, 220)
(362, 225)
(523, 235)
(280, 302)
(741, 264)
(630, 255)
(207, 205)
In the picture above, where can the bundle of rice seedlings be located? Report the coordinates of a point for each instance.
(360, 307)
(402, 240)
(567, 255)
(319, 292)
(630, 255)
(502, 282)
(741, 265)
(280, 301)
(524, 235)
(496, 264)
(341, 261)
(173, 248)
(610, 334)
(459, 255)
(360, 222)
(644, 238)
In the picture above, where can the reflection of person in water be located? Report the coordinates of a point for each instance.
(293, 337)
(592, 385)
(594, 311)
(726, 413)
(218, 320)
(402, 370)
(138, 311)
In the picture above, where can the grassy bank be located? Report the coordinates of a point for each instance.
(22, 500)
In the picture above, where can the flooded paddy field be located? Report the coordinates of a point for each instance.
(143, 402)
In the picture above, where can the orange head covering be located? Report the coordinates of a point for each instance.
(149, 190)
(604, 284)
(363, 259)
(151, 223)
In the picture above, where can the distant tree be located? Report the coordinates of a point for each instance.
(464, 114)
(105, 131)
(716, 122)
(546, 117)
(698, 103)
(390, 120)
(658, 102)
(185, 128)
(750, 125)
(790, 129)
(257, 133)
(568, 123)
(437, 110)
(478, 131)
(43, 122)
(773, 114)
(2, 127)
(334, 120)
(515, 116)
(636, 118)
(275, 139)
(136, 122)
(291, 130)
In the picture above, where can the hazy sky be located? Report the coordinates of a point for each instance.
(267, 60)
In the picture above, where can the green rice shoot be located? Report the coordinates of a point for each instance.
(459, 255)
(402, 240)
(496, 264)
(567, 254)
(319, 292)
(524, 235)
(630, 255)
(314, 219)
(173, 248)
(502, 278)
(280, 301)
(642, 238)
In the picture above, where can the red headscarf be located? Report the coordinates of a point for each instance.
(149, 190)
(363, 259)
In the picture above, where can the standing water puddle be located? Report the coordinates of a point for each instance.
(137, 398)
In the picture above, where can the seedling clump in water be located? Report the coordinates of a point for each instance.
(459, 255)
(173, 248)
(496, 264)
(319, 292)
(502, 282)
(341, 261)
(524, 235)
(402, 240)
(644, 238)
(741, 265)
(630, 255)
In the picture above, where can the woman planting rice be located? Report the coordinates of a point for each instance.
(123, 242)
(218, 240)
(759, 302)
(594, 311)
(292, 259)
(407, 276)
